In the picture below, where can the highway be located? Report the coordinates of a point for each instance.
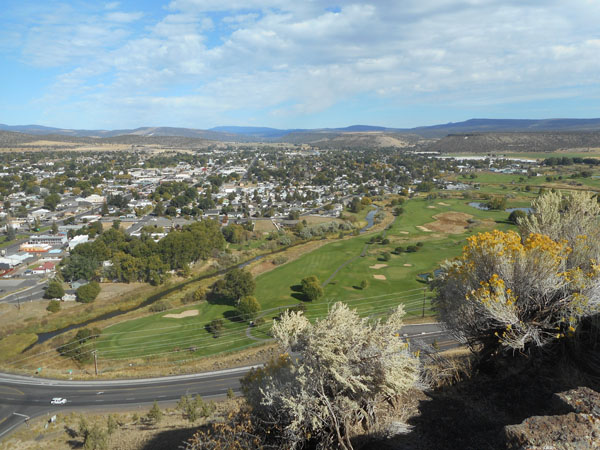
(23, 397)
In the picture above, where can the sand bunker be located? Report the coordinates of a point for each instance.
(450, 222)
(181, 315)
(431, 207)
(407, 265)
(443, 204)
(403, 232)
(378, 266)
(422, 228)
(379, 277)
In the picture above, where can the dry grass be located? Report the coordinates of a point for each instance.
(264, 226)
(450, 222)
(315, 220)
(132, 433)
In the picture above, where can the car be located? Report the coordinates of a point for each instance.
(58, 401)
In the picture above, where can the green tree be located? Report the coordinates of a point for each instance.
(104, 211)
(364, 284)
(54, 229)
(54, 290)
(11, 234)
(311, 288)
(215, 327)
(238, 283)
(51, 201)
(95, 439)
(247, 307)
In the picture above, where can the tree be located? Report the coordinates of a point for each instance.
(215, 327)
(154, 416)
(364, 284)
(54, 290)
(104, 211)
(356, 205)
(11, 234)
(346, 367)
(192, 408)
(311, 288)
(88, 292)
(51, 201)
(247, 307)
(54, 229)
(238, 283)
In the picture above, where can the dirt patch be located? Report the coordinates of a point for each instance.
(450, 222)
(378, 266)
(407, 265)
(181, 315)
(443, 204)
(264, 226)
(380, 277)
(422, 228)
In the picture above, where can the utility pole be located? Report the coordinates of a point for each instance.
(95, 362)
(424, 298)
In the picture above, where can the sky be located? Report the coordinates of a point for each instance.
(296, 63)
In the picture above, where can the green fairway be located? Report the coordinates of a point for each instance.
(343, 263)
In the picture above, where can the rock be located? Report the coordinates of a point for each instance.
(576, 430)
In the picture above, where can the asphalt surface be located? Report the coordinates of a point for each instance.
(24, 397)
(29, 290)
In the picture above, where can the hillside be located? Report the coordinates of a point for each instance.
(515, 142)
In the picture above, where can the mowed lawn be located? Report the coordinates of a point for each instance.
(396, 282)
(157, 335)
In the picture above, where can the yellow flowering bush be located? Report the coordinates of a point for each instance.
(510, 292)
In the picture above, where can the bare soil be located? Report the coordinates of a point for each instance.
(181, 315)
(450, 222)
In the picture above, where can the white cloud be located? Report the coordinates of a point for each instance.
(299, 58)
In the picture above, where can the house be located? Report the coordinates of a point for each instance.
(47, 267)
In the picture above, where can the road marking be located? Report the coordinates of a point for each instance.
(22, 415)
(12, 389)
(130, 399)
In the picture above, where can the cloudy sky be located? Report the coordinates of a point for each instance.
(302, 63)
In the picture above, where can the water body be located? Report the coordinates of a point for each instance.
(482, 207)
(479, 205)
(370, 219)
(527, 210)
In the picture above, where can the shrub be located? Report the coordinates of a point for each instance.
(88, 292)
(364, 284)
(386, 256)
(53, 306)
(159, 306)
(516, 215)
(279, 259)
(347, 366)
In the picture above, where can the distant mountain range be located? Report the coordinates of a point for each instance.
(249, 134)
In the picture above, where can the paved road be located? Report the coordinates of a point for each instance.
(22, 397)
(27, 397)
(34, 290)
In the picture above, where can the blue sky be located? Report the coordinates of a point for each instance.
(296, 64)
